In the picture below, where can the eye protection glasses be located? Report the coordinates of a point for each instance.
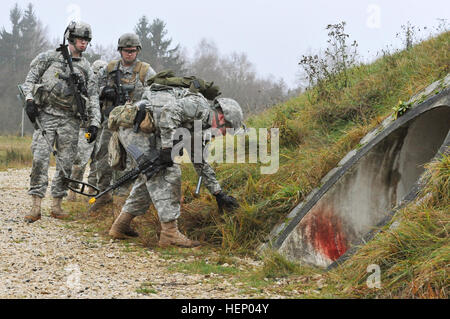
(129, 51)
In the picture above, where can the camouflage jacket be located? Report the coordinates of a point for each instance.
(45, 84)
(129, 75)
(175, 108)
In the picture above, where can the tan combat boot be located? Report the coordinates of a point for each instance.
(35, 212)
(56, 210)
(72, 196)
(118, 203)
(100, 203)
(171, 236)
(121, 229)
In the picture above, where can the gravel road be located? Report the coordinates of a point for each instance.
(52, 259)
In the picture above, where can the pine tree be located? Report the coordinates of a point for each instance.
(155, 46)
(18, 47)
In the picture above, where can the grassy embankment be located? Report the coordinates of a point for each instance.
(316, 131)
(15, 152)
(314, 136)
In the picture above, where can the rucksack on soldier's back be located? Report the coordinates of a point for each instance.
(167, 77)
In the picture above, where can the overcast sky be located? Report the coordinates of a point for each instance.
(274, 34)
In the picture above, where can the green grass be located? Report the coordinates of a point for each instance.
(146, 289)
(15, 152)
(203, 267)
(314, 136)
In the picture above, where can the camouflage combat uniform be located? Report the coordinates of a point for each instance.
(86, 151)
(129, 76)
(58, 116)
(172, 108)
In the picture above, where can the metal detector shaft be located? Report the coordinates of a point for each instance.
(129, 177)
(146, 165)
(77, 189)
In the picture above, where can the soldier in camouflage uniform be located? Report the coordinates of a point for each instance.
(50, 99)
(121, 80)
(86, 151)
(172, 109)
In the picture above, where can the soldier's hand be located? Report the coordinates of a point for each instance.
(165, 157)
(92, 131)
(108, 93)
(140, 116)
(225, 201)
(32, 110)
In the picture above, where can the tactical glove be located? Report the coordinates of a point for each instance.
(92, 131)
(108, 93)
(165, 157)
(32, 111)
(226, 202)
(140, 116)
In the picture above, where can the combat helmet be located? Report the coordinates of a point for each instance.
(78, 30)
(231, 110)
(128, 40)
(97, 65)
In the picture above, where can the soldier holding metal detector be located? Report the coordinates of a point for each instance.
(60, 93)
(165, 110)
(121, 81)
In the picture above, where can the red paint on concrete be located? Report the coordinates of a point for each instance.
(324, 231)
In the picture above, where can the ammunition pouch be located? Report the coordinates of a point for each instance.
(117, 156)
(125, 116)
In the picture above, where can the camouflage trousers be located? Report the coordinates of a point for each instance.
(63, 134)
(163, 189)
(85, 152)
(105, 174)
(104, 171)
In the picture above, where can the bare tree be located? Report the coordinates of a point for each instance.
(236, 77)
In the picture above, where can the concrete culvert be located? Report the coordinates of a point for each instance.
(362, 193)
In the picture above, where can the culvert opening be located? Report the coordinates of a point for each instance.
(367, 191)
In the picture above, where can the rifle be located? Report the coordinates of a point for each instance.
(75, 83)
(122, 92)
(39, 126)
(147, 165)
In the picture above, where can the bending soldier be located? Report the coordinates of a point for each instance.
(173, 109)
(51, 99)
(121, 81)
(86, 151)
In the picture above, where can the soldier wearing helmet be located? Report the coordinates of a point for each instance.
(51, 100)
(174, 109)
(80, 31)
(120, 81)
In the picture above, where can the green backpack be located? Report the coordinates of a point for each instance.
(167, 77)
